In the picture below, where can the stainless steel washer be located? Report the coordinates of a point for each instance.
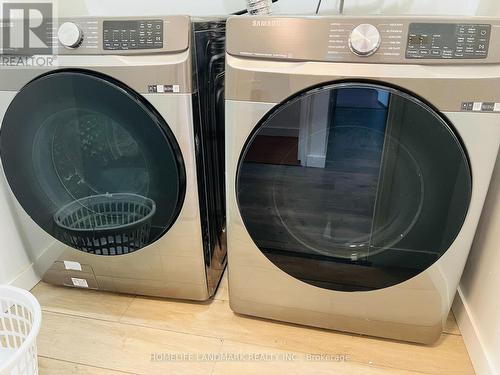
(102, 156)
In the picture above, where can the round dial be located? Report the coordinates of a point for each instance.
(70, 35)
(364, 40)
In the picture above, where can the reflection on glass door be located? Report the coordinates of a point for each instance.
(360, 187)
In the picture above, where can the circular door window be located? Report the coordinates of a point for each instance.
(92, 162)
(353, 186)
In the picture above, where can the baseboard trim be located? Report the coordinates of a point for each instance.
(26, 279)
(316, 161)
(472, 337)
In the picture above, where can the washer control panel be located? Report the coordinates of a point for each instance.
(137, 34)
(121, 35)
(448, 41)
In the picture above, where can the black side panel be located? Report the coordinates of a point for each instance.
(208, 104)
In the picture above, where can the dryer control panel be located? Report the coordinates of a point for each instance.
(374, 39)
(448, 41)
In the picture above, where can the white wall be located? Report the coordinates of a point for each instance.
(423, 7)
(477, 306)
(15, 266)
(188, 7)
(149, 7)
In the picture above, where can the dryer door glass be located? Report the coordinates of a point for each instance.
(353, 186)
(92, 162)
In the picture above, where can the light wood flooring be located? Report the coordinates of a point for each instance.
(88, 332)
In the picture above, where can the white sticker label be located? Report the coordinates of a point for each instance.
(81, 283)
(477, 106)
(160, 88)
(176, 88)
(497, 107)
(72, 265)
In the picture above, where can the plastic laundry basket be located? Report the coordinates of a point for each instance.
(20, 318)
(107, 224)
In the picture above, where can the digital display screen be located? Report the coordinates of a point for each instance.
(418, 39)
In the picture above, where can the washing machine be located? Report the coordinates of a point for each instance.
(359, 151)
(103, 152)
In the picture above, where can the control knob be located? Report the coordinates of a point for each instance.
(70, 35)
(364, 40)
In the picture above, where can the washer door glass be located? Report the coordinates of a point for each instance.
(353, 187)
(92, 162)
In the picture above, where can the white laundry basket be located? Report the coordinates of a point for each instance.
(20, 319)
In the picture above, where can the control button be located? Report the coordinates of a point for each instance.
(424, 52)
(436, 52)
(364, 40)
(467, 106)
(447, 53)
(488, 107)
(476, 107)
(70, 35)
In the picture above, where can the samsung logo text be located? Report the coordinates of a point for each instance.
(267, 23)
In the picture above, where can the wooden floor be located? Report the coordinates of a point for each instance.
(87, 332)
